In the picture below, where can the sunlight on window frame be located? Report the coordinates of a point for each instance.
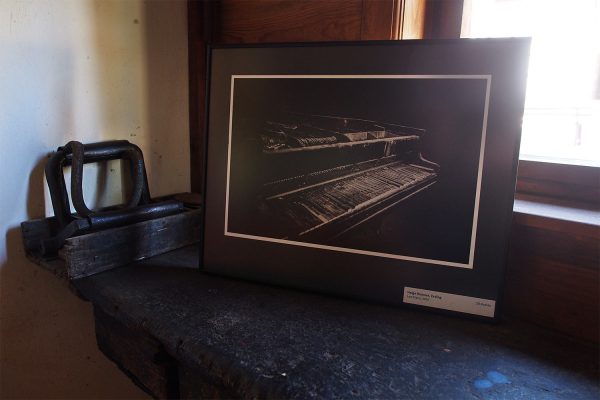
(562, 108)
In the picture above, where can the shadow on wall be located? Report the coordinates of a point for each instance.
(87, 71)
(143, 96)
(48, 343)
(165, 41)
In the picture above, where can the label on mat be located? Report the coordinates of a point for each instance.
(447, 301)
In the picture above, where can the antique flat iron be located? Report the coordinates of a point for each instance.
(139, 207)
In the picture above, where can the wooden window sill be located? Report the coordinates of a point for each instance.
(553, 268)
(554, 214)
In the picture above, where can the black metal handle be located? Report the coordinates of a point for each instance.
(76, 154)
(139, 207)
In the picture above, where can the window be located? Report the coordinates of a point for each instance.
(562, 108)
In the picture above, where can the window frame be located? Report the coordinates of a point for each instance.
(578, 184)
(548, 180)
(410, 19)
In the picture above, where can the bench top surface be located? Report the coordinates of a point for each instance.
(263, 341)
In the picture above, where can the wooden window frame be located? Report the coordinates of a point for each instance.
(578, 184)
(410, 19)
(545, 180)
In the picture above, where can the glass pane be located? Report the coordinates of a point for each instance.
(562, 108)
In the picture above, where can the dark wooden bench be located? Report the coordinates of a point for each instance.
(178, 332)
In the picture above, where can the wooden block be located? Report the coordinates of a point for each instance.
(35, 231)
(100, 251)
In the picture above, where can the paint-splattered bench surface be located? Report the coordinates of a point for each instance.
(181, 333)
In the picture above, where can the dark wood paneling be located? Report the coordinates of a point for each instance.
(560, 181)
(443, 19)
(378, 20)
(202, 16)
(256, 21)
(553, 276)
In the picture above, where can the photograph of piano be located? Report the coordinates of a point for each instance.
(372, 166)
(384, 166)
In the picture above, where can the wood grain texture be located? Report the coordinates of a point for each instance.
(256, 21)
(560, 181)
(100, 251)
(553, 275)
(35, 230)
(378, 19)
(554, 263)
(32, 233)
(443, 19)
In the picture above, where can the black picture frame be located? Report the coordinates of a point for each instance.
(383, 171)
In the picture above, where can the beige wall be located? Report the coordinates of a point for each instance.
(89, 71)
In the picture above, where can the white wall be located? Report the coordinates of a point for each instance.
(89, 71)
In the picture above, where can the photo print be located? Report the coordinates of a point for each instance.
(388, 166)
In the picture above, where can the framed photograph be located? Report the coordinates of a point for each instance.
(377, 170)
